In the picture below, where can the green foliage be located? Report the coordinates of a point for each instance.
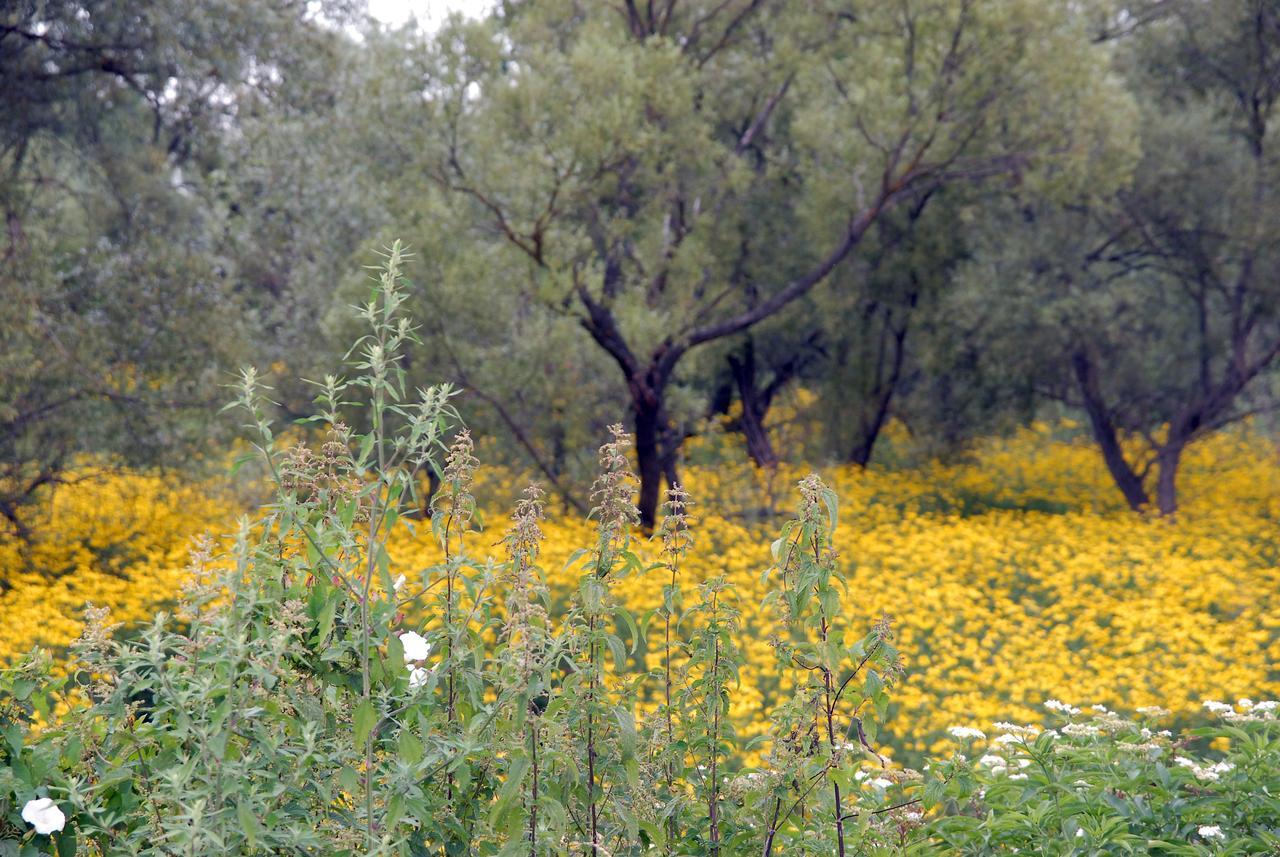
(1106, 784)
(1151, 304)
(122, 293)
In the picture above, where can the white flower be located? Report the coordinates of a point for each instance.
(1058, 705)
(1211, 831)
(399, 583)
(1209, 774)
(417, 677)
(1216, 707)
(880, 783)
(963, 732)
(1267, 705)
(1007, 739)
(1017, 776)
(1081, 730)
(1245, 702)
(43, 814)
(416, 647)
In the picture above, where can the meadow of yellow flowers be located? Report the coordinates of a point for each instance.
(1012, 577)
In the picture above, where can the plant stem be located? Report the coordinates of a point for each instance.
(713, 808)
(533, 806)
(592, 809)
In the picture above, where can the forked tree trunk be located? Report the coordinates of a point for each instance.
(888, 373)
(1104, 433)
(755, 405)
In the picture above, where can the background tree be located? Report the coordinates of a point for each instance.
(872, 314)
(119, 306)
(1156, 308)
(630, 157)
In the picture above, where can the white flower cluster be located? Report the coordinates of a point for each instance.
(1207, 773)
(966, 732)
(1012, 731)
(875, 782)
(1250, 711)
(1000, 765)
(1081, 730)
(1061, 707)
(1211, 831)
(1150, 742)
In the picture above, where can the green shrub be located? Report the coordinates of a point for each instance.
(1105, 784)
(288, 708)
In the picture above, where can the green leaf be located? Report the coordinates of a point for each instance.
(624, 615)
(364, 719)
(832, 501)
(248, 823)
(409, 748)
(324, 623)
(66, 842)
(349, 780)
(395, 652)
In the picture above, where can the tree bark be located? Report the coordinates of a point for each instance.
(1167, 460)
(1104, 433)
(649, 428)
(870, 429)
(755, 404)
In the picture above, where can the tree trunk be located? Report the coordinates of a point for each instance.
(759, 446)
(650, 461)
(885, 384)
(754, 407)
(1167, 459)
(1104, 433)
(866, 442)
(870, 429)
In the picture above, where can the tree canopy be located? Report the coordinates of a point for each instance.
(951, 213)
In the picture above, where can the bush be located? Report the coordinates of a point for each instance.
(290, 706)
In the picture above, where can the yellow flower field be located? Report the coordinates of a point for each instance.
(1012, 577)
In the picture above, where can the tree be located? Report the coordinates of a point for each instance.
(119, 306)
(869, 315)
(675, 174)
(1156, 308)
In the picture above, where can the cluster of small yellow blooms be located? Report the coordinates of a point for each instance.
(1013, 576)
(116, 540)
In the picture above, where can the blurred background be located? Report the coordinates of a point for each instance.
(703, 219)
